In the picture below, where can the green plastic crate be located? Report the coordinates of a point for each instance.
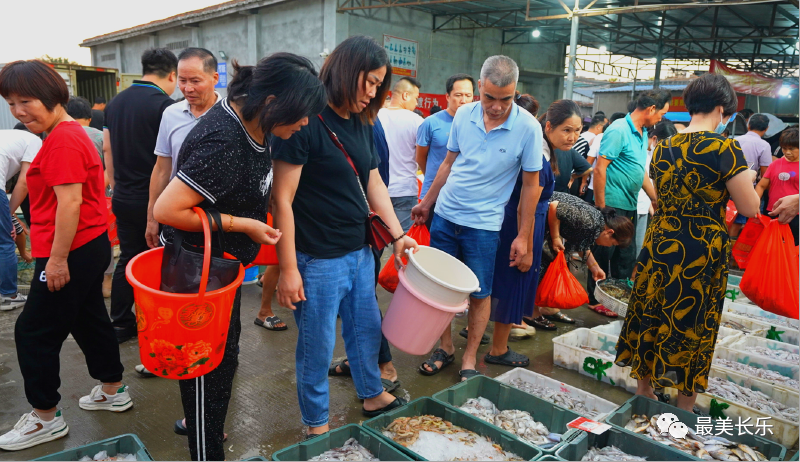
(577, 447)
(123, 444)
(649, 407)
(549, 457)
(429, 406)
(256, 458)
(377, 445)
(507, 397)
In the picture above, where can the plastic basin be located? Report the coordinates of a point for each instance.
(377, 445)
(506, 397)
(441, 277)
(123, 444)
(413, 322)
(580, 444)
(428, 406)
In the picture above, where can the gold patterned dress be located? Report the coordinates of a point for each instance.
(674, 312)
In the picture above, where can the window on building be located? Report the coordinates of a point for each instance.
(108, 57)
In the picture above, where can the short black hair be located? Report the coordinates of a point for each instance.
(656, 97)
(758, 122)
(616, 116)
(100, 100)
(435, 109)
(708, 91)
(746, 113)
(663, 130)
(34, 79)
(208, 58)
(789, 138)
(631, 106)
(599, 113)
(78, 107)
(159, 61)
(412, 81)
(598, 119)
(457, 78)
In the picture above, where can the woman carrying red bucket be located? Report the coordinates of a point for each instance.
(225, 164)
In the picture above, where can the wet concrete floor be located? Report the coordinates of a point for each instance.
(264, 416)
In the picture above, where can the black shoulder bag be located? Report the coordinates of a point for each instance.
(182, 263)
(691, 190)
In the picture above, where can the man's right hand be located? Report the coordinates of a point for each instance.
(420, 214)
(786, 208)
(290, 288)
(151, 234)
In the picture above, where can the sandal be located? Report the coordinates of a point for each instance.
(559, 317)
(465, 333)
(438, 355)
(398, 402)
(604, 311)
(540, 323)
(259, 282)
(344, 369)
(509, 358)
(467, 374)
(143, 371)
(389, 386)
(270, 323)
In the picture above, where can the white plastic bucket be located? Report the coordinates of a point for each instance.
(441, 277)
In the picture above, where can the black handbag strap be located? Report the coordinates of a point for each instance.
(340, 146)
(212, 215)
(685, 183)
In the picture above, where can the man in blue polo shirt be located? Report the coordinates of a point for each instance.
(619, 174)
(489, 142)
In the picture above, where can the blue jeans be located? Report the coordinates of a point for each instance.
(475, 247)
(343, 286)
(402, 208)
(8, 258)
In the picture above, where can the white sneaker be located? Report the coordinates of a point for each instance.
(10, 303)
(30, 430)
(97, 400)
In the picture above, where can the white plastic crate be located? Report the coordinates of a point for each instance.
(788, 370)
(733, 292)
(600, 406)
(760, 329)
(725, 336)
(742, 309)
(612, 328)
(567, 353)
(746, 344)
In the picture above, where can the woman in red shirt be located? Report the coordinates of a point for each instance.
(69, 240)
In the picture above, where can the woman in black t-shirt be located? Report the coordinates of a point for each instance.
(326, 267)
(224, 164)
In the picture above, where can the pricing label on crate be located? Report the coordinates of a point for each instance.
(587, 425)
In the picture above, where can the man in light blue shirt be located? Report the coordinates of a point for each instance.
(489, 142)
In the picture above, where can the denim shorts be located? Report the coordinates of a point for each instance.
(475, 247)
(740, 219)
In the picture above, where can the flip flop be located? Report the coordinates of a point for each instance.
(270, 323)
(559, 317)
(465, 333)
(438, 355)
(509, 358)
(143, 371)
(467, 374)
(604, 311)
(541, 323)
(344, 369)
(389, 386)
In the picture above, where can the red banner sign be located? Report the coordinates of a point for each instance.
(677, 104)
(747, 82)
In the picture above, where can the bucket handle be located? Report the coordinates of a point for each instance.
(206, 252)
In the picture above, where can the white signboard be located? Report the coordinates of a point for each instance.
(402, 55)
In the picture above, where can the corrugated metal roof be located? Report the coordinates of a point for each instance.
(640, 87)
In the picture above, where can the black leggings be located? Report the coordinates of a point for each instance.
(131, 226)
(77, 309)
(205, 399)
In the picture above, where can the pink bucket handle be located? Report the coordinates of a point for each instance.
(206, 252)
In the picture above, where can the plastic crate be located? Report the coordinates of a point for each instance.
(123, 444)
(760, 329)
(548, 457)
(576, 448)
(733, 292)
(256, 458)
(641, 405)
(599, 406)
(429, 406)
(725, 336)
(612, 328)
(740, 309)
(784, 431)
(749, 341)
(567, 353)
(377, 445)
(743, 349)
(507, 397)
(788, 370)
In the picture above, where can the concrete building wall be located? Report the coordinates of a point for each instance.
(611, 102)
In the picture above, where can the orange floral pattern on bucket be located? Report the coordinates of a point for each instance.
(179, 359)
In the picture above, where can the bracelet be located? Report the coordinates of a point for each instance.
(398, 238)
(230, 226)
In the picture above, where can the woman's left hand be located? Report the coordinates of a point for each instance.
(400, 247)
(57, 274)
(526, 263)
(597, 273)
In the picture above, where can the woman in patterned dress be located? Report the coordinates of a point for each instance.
(673, 316)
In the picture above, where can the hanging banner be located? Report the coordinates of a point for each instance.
(222, 70)
(747, 82)
(428, 100)
(402, 55)
(677, 104)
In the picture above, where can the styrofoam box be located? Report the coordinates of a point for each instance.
(791, 371)
(599, 405)
(759, 328)
(784, 431)
(725, 336)
(567, 353)
(765, 316)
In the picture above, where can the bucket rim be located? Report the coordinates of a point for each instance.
(439, 306)
(187, 297)
(412, 259)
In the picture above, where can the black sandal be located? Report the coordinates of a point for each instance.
(465, 333)
(509, 358)
(467, 374)
(271, 323)
(390, 386)
(344, 369)
(438, 355)
(540, 323)
(559, 317)
(398, 402)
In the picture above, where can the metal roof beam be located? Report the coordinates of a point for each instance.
(648, 8)
(397, 3)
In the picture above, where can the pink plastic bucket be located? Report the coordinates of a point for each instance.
(413, 323)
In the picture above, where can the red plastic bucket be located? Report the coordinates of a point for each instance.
(181, 336)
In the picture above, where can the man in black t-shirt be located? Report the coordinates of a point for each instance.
(131, 126)
(98, 116)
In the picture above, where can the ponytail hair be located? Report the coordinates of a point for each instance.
(622, 226)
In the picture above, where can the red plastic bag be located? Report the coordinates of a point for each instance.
(388, 276)
(559, 288)
(730, 213)
(267, 256)
(112, 224)
(770, 280)
(747, 240)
